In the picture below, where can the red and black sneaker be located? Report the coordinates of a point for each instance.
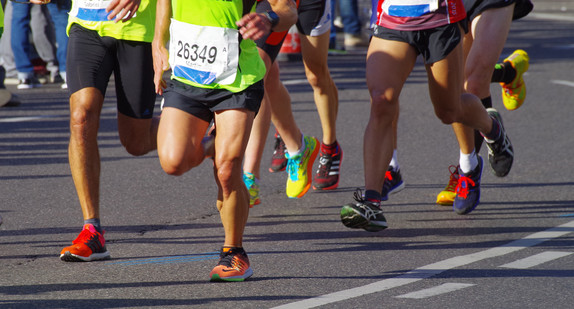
(327, 175)
(278, 160)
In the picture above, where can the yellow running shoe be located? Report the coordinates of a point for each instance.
(513, 94)
(446, 196)
(299, 168)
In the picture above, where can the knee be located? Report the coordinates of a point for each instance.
(447, 116)
(319, 78)
(226, 174)
(176, 164)
(384, 104)
(82, 122)
(172, 168)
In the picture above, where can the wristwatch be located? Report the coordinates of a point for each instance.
(272, 17)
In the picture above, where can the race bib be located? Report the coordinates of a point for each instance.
(91, 10)
(410, 8)
(204, 54)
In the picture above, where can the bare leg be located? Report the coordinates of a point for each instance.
(315, 52)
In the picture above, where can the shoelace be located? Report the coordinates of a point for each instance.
(293, 165)
(453, 180)
(370, 213)
(462, 187)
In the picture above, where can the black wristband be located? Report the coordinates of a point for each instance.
(272, 17)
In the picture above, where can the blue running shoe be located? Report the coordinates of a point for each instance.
(393, 183)
(468, 190)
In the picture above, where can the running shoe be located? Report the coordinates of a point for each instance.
(327, 175)
(278, 160)
(300, 167)
(29, 83)
(233, 266)
(363, 214)
(468, 190)
(252, 185)
(90, 245)
(500, 152)
(393, 183)
(446, 196)
(513, 94)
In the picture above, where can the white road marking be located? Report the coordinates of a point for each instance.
(437, 290)
(536, 259)
(23, 119)
(295, 82)
(551, 16)
(32, 118)
(563, 82)
(434, 268)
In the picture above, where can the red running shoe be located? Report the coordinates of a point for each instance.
(89, 246)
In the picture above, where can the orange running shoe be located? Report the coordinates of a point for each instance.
(233, 266)
(446, 196)
(513, 94)
(89, 246)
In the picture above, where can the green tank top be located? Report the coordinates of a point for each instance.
(206, 49)
(92, 15)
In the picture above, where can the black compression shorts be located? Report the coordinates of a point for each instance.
(91, 60)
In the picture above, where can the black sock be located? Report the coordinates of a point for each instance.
(478, 138)
(95, 223)
(373, 196)
(503, 73)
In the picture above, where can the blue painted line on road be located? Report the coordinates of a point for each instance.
(170, 259)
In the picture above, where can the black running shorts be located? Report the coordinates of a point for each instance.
(91, 60)
(476, 7)
(310, 15)
(203, 102)
(433, 44)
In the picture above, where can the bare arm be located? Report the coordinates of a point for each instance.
(255, 25)
(287, 12)
(158, 45)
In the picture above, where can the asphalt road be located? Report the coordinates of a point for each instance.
(514, 251)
